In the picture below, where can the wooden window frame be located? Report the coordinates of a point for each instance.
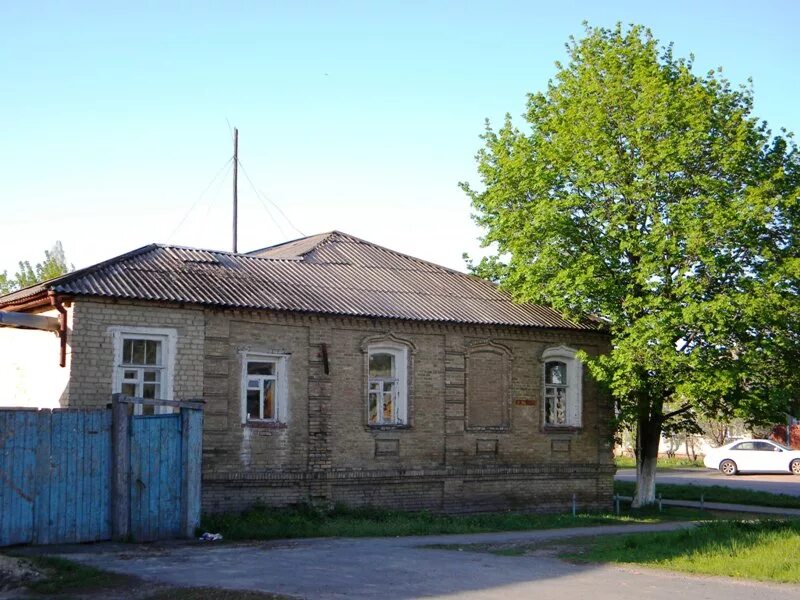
(168, 338)
(573, 387)
(399, 354)
(281, 388)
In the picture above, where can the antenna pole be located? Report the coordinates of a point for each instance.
(235, 185)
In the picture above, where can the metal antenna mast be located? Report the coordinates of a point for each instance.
(235, 186)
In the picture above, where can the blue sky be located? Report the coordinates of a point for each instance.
(358, 116)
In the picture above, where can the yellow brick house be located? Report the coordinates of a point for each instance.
(333, 370)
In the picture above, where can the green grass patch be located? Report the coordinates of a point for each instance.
(262, 523)
(761, 550)
(713, 493)
(63, 575)
(629, 462)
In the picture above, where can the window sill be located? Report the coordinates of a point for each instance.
(263, 425)
(386, 427)
(562, 428)
(487, 429)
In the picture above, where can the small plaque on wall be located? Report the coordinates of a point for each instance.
(524, 402)
(387, 447)
(559, 446)
(486, 447)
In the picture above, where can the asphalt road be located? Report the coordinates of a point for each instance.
(403, 568)
(776, 484)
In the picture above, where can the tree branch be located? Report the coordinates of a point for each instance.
(675, 413)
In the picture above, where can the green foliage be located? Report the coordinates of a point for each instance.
(263, 523)
(651, 197)
(54, 265)
(6, 285)
(761, 550)
(628, 462)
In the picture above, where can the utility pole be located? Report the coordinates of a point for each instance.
(235, 185)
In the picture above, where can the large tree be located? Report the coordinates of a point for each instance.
(651, 197)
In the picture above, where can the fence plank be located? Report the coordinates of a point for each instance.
(191, 456)
(104, 486)
(28, 480)
(42, 503)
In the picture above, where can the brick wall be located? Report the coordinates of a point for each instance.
(92, 347)
(451, 456)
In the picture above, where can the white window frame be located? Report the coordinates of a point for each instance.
(400, 379)
(168, 338)
(281, 386)
(574, 392)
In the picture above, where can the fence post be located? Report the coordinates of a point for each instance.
(120, 470)
(191, 466)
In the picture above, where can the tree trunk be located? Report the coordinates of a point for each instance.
(648, 435)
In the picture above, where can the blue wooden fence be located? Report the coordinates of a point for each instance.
(79, 475)
(55, 475)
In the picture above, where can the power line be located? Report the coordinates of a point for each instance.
(263, 197)
(263, 204)
(200, 197)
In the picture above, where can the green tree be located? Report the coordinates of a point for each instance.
(54, 265)
(650, 196)
(6, 284)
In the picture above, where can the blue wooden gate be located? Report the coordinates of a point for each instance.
(55, 476)
(156, 477)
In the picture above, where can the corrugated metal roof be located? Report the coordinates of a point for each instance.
(332, 273)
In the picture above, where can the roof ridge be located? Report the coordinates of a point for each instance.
(325, 238)
(397, 253)
(325, 235)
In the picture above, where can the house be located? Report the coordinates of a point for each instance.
(333, 370)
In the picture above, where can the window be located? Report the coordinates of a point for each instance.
(745, 446)
(386, 394)
(562, 388)
(143, 361)
(264, 389)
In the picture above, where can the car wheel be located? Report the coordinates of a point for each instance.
(728, 467)
(794, 467)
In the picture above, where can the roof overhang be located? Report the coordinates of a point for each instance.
(39, 299)
(28, 321)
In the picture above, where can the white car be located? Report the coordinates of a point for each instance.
(753, 456)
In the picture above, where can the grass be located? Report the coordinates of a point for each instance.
(65, 575)
(629, 462)
(761, 550)
(714, 493)
(263, 523)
